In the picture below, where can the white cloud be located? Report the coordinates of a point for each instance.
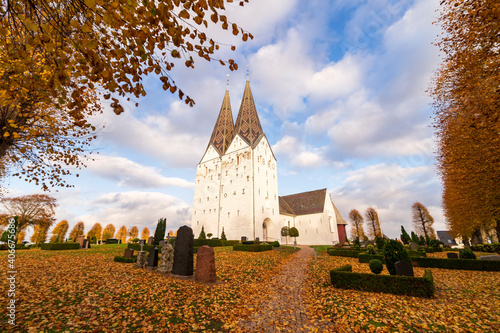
(295, 153)
(128, 173)
(391, 189)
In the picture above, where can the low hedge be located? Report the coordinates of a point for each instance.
(252, 248)
(463, 264)
(125, 260)
(365, 257)
(343, 253)
(492, 248)
(414, 253)
(343, 278)
(209, 242)
(17, 247)
(229, 242)
(60, 246)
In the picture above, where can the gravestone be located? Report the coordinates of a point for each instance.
(151, 240)
(183, 252)
(141, 259)
(404, 268)
(153, 257)
(166, 259)
(81, 241)
(141, 243)
(87, 242)
(413, 246)
(243, 239)
(129, 253)
(452, 255)
(162, 242)
(205, 265)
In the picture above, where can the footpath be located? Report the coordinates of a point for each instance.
(283, 310)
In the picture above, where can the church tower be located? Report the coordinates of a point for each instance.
(236, 181)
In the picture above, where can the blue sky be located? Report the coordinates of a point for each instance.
(340, 87)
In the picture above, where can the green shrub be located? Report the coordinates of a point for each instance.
(343, 277)
(252, 248)
(435, 243)
(394, 251)
(466, 253)
(202, 233)
(342, 253)
(223, 235)
(276, 244)
(416, 253)
(126, 260)
(466, 265)
(370, 249)
(60, 246)
(228, 242)
(376, 266)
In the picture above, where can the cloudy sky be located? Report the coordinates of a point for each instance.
(340, 87)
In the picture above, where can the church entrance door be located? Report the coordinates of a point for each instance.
(265, 229)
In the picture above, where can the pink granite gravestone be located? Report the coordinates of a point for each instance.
(205, 265)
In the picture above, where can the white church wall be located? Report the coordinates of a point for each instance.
(266, 192)
(206, 196)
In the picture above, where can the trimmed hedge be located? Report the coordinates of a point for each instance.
(343, 277)
(228, 242)
(463, 264)
(209, 242)
(414, 253)
(60, 246)
(125, 260)
(365, 257)
(343, 253)
(252, 248)
(492, 248)
(4, 247)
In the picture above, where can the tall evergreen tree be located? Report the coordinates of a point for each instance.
(202, 233)
(223, 235)
(405, 238)
(414, 238)
(160, 230)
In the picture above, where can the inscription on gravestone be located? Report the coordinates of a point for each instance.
(183, 252)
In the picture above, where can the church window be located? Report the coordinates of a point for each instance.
(266, 173)
(310, 222)
(203, 212)
(200, 200)
(215, 210)
(231, 181)
(226, 172)
(208, 198)
(316, 230)
(244, 168)
(238, 213)
(259, 191)
(248, 178)
(243, 192)
(267, 182)
(267, 196)
(258, 170)
(197, 222)
(225, 195)
(228, 214)
(208, 188)
(209, 211)
(320, 220)
(211, 177)
(274, 176)
(237, 169)
(262, 209)
(273, 211)
(275, 197)
(234, 193)
(237, 162)
(194, 212)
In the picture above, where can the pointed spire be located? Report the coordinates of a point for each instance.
(248, 123)
(224, 128)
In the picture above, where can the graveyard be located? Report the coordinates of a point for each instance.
(86, 290)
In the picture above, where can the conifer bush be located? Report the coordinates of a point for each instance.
(466, 253)
(394, 251)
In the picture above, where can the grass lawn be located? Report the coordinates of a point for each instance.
(85, 290)
(465, 301)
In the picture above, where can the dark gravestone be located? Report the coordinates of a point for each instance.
(81, 241)
(153, 257)
(492, 257)
(413, 246)
(84, 243)
(87, 244)
(205, 265)
(129, 253)
(151, 240)
(404, 268)
(183, 252)
(452, 255)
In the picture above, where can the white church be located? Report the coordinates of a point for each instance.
(237, 187)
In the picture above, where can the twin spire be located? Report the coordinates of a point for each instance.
(247, 123)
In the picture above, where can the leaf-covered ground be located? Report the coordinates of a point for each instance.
(85, 290)
(465, 301)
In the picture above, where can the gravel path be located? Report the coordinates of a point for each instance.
(282, 310)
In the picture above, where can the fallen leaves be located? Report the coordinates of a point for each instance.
(465, 301)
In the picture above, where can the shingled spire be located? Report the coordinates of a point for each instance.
(224, 128)
(248, 123)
